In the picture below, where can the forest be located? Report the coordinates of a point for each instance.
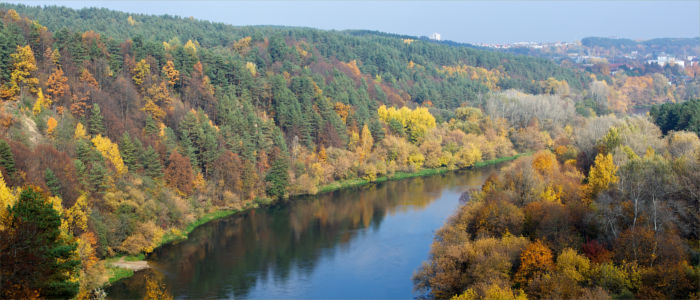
(119, 131)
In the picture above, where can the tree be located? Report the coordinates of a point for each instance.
(535, 260)
(110, 151)
(366, 143)
(52, 182)
(172, 74)
(23, 67)
(277, 178)
(601, 176)
(7, 158)
(151, 163)
(34, 253)
(95, 122)
(178, 173)
(8, 198)
(57, 84)
(141, 72)
(129, 152)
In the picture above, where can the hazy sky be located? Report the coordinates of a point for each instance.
(463, 21)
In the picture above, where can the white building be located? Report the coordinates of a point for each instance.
(435, 36)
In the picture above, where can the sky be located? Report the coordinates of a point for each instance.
(461, 21)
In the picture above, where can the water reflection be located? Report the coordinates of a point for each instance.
(363, 242)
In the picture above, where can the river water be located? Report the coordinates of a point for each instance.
(364, 242)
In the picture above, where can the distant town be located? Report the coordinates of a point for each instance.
(610, 56)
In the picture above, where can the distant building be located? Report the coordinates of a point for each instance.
(435, 36)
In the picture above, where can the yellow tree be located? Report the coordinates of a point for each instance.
(172, 74)
(80, 132)
(41, 103)
(158, 101)
(110, 151)
(366, 143)
(601, 176)
(141, 71)
(8, 197)
(191, 47)
(21, 78)
(76, 217)
(51, 125)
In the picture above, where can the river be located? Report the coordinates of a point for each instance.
(363, 242)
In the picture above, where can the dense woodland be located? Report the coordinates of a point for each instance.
(117, 131)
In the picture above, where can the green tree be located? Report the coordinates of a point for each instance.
(7, 159)
(33, 252)
(129, 152)
(151, 163)
(95, 122)
(277, 178)
(52, 182)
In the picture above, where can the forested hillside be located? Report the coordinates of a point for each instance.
(119, 131)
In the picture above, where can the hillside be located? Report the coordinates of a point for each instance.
(120, 132)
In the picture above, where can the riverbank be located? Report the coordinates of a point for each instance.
(117, 273)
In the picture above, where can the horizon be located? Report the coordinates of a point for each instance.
(557, 22)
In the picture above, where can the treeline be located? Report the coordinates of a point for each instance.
(611, 211)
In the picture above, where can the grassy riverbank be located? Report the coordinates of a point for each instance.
(116, 273)
(344, 184)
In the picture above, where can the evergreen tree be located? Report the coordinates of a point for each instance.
(95, 122)
(52, 182)
(277, 178)
(33, 254)
(97, 177)
(7, 159)
(151, 127)
(151, 163)
(129, 152)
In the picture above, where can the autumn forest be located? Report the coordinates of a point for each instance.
(120, 133)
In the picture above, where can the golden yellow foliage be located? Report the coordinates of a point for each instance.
(8, 197)
(51, 125)
(23, 65)
(80, 132)
(366, 142)
(241, 46)
(131, 21)
(601, 176)
(171, 73)
(141, 71)
(490, 78)
(251, 68)
(76, 217)
(416, 122)
(535, 260)
(110, 151)
(156, 290)
(41, 103)
(13, 15)
(191, 47)
(343, 110)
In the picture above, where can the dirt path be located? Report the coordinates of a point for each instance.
(131, 265)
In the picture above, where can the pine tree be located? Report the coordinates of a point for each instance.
(7, 159)
(151, 163)
(52, 182)
(151, 127)
(33, 254)
(95, 122)
(277, 178)
(130, 153)
(97, 178)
